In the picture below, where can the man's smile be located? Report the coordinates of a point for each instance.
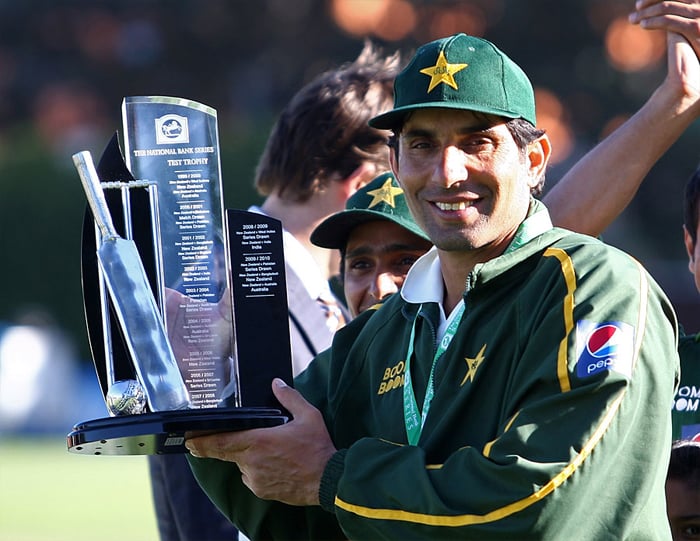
(462, 205)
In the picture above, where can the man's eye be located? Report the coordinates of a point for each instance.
(407, 261)
(692, 531)
(419, 145)
(477, 143)
(359, 264)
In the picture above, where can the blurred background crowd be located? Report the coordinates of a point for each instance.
(66, 65)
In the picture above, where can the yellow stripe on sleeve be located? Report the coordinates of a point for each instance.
(567, 268)
(496, 514)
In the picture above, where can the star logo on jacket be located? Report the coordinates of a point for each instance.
(385, 194)
(473, 365)
(602, 347)
(442, 72)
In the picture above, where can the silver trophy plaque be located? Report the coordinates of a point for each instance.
(175, 143)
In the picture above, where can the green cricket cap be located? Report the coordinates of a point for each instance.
(381, 199)
(460, 72)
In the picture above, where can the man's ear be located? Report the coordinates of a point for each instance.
(361, 176)
(538, 153)
(689, 248)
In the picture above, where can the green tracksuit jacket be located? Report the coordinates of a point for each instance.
(686, 403)
(550, 420)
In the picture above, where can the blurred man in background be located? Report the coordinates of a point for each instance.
(320, 151)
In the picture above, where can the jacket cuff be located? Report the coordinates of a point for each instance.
(329, 480)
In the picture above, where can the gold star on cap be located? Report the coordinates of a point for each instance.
(385, 194)
(442, 72)
(473, 365)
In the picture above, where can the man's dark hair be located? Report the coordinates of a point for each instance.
(685, 463)
(322, 134)
(524, 133)
(691, 202)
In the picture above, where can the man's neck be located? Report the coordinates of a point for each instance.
(454, 276)
(456, 266)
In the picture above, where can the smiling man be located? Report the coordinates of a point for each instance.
(468, 185)
(519, 385)
(378, 241)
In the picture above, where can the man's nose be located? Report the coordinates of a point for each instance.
(384, 285)
(453, 166)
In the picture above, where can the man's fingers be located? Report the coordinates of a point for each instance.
(678, 16)
(290, 398)
(231, 446)
(641, 4)
(224, 446)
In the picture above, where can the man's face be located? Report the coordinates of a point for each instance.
(466, 182)
(693, 251)
(683, 509)
(378, 255)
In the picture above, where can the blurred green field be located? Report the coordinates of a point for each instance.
(49, 494)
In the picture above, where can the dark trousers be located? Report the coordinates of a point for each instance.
(183, 511)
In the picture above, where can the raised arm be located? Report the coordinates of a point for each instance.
(618, 164)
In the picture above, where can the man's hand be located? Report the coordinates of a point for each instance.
(678, 18)
(283, 463)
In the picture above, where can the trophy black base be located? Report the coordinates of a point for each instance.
(163, 432)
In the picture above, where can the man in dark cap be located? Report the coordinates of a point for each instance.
(378, 242)
(515, 380)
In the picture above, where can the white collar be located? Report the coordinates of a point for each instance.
(424, 284)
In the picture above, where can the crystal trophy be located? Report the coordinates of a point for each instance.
(184, 344)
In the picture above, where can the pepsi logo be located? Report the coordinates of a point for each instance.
(603, 347)
(604, 341)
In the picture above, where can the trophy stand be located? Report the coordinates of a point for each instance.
(227, 391)
(163, 432)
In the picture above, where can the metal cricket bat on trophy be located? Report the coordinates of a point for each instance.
(224, 334)
(135, 306)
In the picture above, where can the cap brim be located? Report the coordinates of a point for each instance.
(392, 119)
(333, 232)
